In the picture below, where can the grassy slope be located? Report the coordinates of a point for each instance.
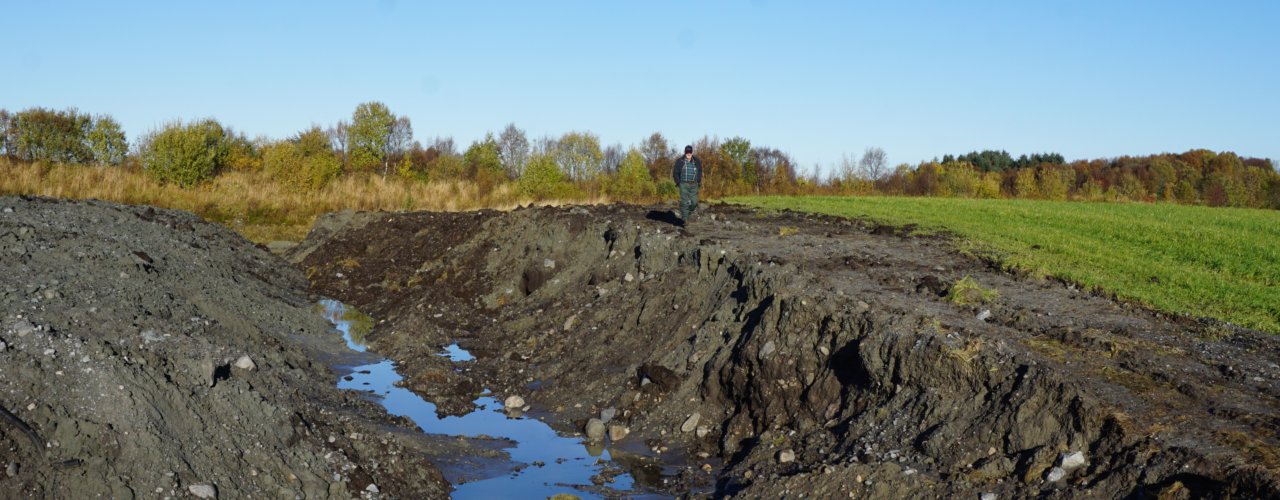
(1217, 262)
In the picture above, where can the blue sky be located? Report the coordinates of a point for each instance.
(814, 79)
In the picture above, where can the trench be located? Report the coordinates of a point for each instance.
(546, 462)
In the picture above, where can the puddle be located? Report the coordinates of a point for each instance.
(567, 459)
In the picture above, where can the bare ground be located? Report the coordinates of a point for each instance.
(817, 337)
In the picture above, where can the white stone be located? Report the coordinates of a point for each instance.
(988, 496)
(549, 264)
(767, 349)
(568, 324)
(786, 455)
(1071, 460)
(690, 423)
(607, 414)
(203, 490)
(246, 363)
(702, 432)
(1055, 474)
(372, 488)
(628, 277)
(514, 401)
(617, 432)
(595, 430)
(982, 316)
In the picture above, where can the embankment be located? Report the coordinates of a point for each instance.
(799, 354)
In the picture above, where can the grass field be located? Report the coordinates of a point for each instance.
(1217, 262)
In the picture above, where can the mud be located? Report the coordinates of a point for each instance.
(820, 355)
(120, 332)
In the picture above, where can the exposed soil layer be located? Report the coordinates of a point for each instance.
(120, 334)
(820, 355)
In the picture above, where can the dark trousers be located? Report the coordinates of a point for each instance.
(688, 199)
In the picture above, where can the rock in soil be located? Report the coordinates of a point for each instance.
(834, 341)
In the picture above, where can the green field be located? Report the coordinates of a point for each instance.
(1217, 262)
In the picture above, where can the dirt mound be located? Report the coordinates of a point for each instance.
(811, 354)
(147, 353)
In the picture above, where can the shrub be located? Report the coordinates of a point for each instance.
(668, 190)
(305, 161)
(543, 179)
(632, 181)
(186, 155)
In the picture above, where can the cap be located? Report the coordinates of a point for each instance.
(688, 149)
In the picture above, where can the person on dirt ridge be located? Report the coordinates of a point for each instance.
(688, 175)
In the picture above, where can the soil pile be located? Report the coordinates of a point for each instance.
(799, 354)
(145, 353)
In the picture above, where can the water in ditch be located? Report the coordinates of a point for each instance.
(567, 460)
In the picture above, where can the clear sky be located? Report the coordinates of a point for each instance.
(814, 79)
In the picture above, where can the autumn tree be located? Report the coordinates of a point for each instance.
(579, 155)
(54, 136)
(304, 161)
(513, 149)
(737, 154)
(658, 155)
(107, 141)
(874, 164)
(370, 134)
(631, 182)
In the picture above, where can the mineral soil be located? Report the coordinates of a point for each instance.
(145, 353)
(791, 354)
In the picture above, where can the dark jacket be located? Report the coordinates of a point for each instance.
(676, 170)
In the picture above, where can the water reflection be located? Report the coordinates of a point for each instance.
(562, 460)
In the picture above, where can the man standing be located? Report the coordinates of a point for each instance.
(688, 175)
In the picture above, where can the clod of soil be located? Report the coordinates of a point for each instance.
(832, 341)
(121, 339)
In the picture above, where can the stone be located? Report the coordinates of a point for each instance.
(824, 350)
(23, 327)
(768, 349)
(595, 430)
(702, 432)
(568, 324)
(1055, 474)
(3, 346)
(203, 490)
(786, 456)
(514, 401)
(690, 423)
(246, 363)
(628, 278)
(12, 469)
(617, 432)
(607, 414)
(151, 336)
(988, 496)
(982, 316)
(372, 488)
(280, 247)
(51, 294)
(1071, 460)
(549, 264)
(207, 372)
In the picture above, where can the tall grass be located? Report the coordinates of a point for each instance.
(254, 205)
(1216, 262)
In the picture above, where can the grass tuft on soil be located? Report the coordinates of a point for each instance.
(1222, 263)
(967, 291)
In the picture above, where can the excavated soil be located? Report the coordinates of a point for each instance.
(122, 329)
(819, 355)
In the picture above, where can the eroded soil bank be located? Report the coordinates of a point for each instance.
(817, 353)
(121, 337)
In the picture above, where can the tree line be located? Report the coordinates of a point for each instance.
(376, 141)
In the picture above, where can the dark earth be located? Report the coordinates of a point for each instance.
(823, 358)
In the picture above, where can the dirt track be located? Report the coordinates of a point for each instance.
(832, 344)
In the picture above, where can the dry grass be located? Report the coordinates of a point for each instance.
(254, 205)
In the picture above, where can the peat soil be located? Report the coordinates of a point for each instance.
(146, 353)
(789, 355)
